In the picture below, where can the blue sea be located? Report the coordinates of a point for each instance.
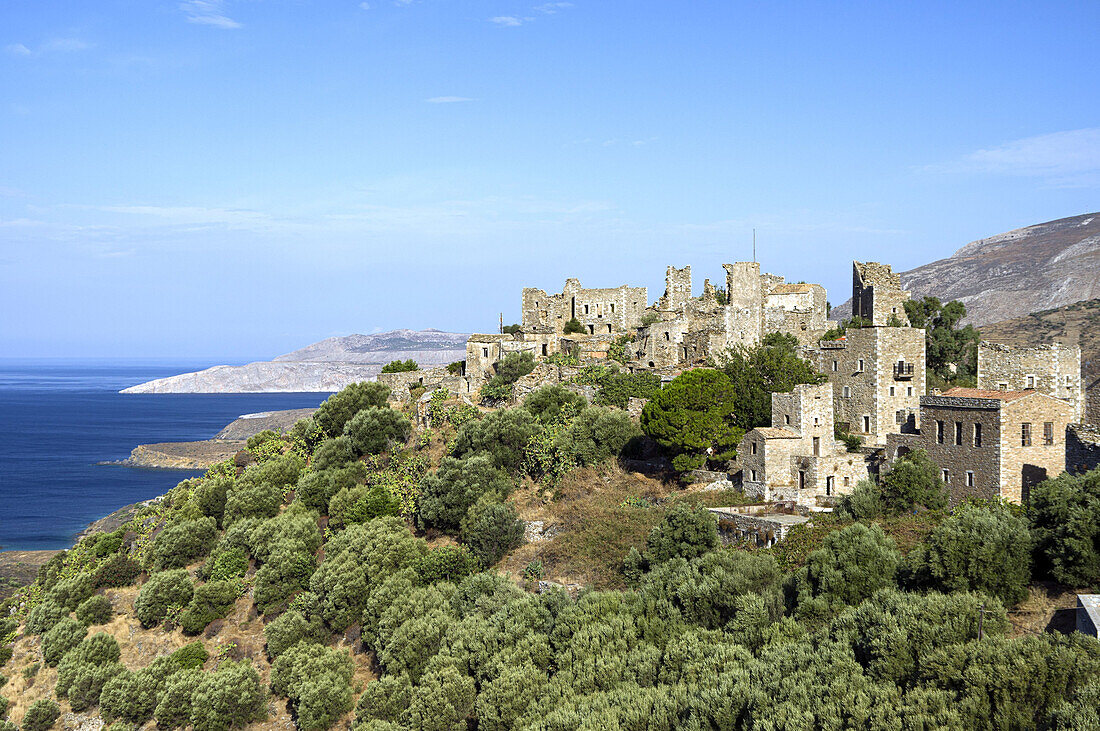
(58, 419)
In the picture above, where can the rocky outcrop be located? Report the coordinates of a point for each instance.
(183, 455)
(323, 367)
(250, 425)
(1016, 273)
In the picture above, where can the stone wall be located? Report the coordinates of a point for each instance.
(1082, 448)
(1053, 369)
(677, 289)
(877, 294)
(429, 378)
(1023, 467)
(941, 414)
(878, 377)
(604, 310)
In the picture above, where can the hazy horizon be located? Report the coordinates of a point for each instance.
(240, 179)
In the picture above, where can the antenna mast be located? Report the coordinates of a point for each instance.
(754, 244)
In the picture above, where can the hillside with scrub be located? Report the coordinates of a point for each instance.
(441, 564)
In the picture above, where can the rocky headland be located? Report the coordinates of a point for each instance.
(326, 366)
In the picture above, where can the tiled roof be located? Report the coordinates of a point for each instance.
(987, 393)
(775, 432)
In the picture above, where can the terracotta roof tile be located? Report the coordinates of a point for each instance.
(987, 393)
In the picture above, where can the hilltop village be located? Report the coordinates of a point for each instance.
(1023, 422)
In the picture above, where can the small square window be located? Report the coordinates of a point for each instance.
(946, 477)
(908, 390)
(969, 478)
(836, 365)
(891, 390)
(1025, 434)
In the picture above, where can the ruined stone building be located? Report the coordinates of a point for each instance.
(797, 457)
(678, 331)
(689, 331)
(599, 311)
(877, 294)
(990, 443)
(877, 372)
(1053, 369)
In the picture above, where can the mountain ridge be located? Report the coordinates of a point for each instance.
(1012, 274)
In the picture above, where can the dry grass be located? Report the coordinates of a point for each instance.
(596, 524)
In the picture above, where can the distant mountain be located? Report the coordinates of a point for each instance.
(423, 346)
(1076, 324)
(1013, 274)
(327, 366)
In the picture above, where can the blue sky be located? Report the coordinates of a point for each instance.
(236, 179)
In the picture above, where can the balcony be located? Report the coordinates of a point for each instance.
(903, 371)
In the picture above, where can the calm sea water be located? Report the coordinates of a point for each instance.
(58, 419)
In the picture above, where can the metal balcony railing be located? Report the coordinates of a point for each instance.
(903, 370)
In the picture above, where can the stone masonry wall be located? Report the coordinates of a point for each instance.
(1023, 467)
(983, 460)
(1082, 448)
(877, 294)
(1051, 369)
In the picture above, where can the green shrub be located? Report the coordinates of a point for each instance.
(863, 503)
(333, 453)
(294, 529)
(356, 561)
(400, 366)
(286, 573)
(554, 404)
(260, 490)
(44, 616)
(385, 700)
(361, 503)
(491, 529)
(598, 434)
(573, 326)
(212, 600)
(84, 670)
(685, 531)
(852, 564)
(231, 696)
(503, 435)
(913, 481)
(8, 726)
(1065, 520)
(117, 571)
(447, 495)
(108, 543)
(373, 430)
(190, 656)
(616, 389)
(130, 696)
(62, 637)
(174, 708)
(290, 628)
(339, 408)
(70, 592)
(231, 563)
(210, 496)
(179, 544)
(95, 610)
(980, 547)
(41, 715)
(4, 703)
(316, 489)
(446, 563)
(317, 680)
(161, 591)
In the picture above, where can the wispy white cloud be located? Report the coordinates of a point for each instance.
(65, 45)
(54, 45)
(1067, 158)
(509, 21)
(365, 6)
(208, 12)
(448, 99)
(551, 8)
